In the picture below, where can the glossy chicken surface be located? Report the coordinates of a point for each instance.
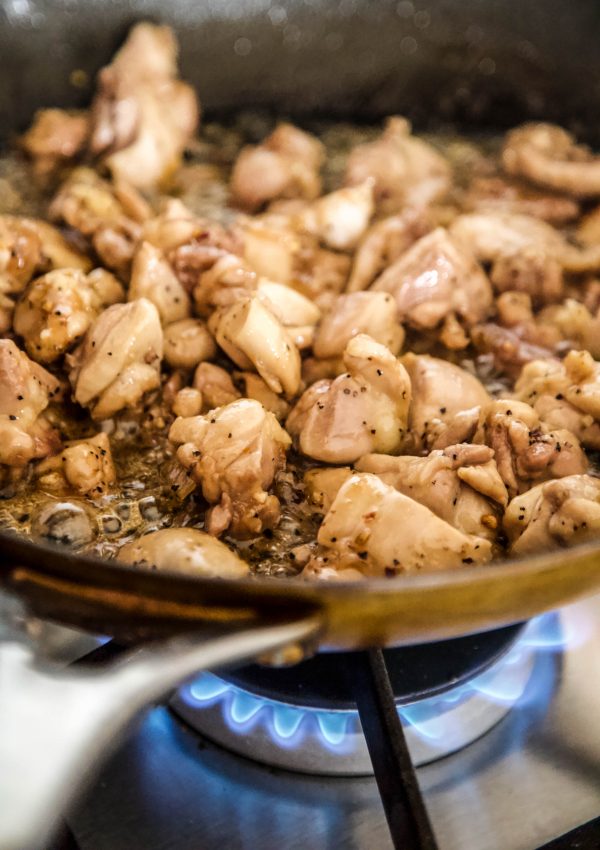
(325, 351)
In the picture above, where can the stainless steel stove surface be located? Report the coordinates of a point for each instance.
(533, 777)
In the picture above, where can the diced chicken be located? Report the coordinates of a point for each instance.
(407, 171)
(297, 313)
(508, 348)
(371, 313)
(56, 309)
(184, 551)
(555, 514)
(56, 251)
(446, 402)
(55, 137)
(501, 194)
(373, 528)
(365, 410)
(255, 387)
(119, 359)
(187, 343)
(222, 285)
(549, 156)
(143, 115)
(84, 467)
(187, 402)
(339, 219)
(285, 165)
(323, 483)
(383, 243)
(434, 279)
(460, 484)
(253, 337)
(153, 278)
(21, 254)
(526, 449)
(216, 386)
(26, 389)
(234, 453)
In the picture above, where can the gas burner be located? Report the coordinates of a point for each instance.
(303, 718)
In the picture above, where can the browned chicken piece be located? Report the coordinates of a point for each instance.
(554, 514)
(55, 137)
(339, 220)
(234, 453)
(460, 484)
(550, 157)
(118, 360)
(142, 114)
(285, 165)
(371, 313)
(364, 410)
(174, 225)
(383, 243)
(208, 244)
(216, 386)
(256, 388)
(446, 402)
(254, 338)
(373, 528)
(56, 309)
(527, 450)
(153, 278)
(565, 394)
(224, 283)
(187, 343)
(502, 194)
(297, 313)
(588, 228)
(507, 347)
(84, 467)
(187, 402)
(323, 482)
(26, 389)
(435, 279)
(408, 172)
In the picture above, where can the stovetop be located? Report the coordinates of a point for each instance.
(533, 777)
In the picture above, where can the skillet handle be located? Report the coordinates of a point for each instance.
(54, 727)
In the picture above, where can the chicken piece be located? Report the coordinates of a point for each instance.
(549, 156)
(383, 243)
(55, 137)
(56, 309)
(285, 165)
(526, 449)
(295, 311)
(371, 313)
(365, 410)
(588, 228)
(187, 402)
(407, 171)
(187, 343)
(184, 551)
(253, 337)
(26, 389)
(339, 219)
(460, 484)
(554, 514)
(565, 394)
(142, 115)
(216, 386)
(255, 387)
(21, 254)
(373, 528)
(153, 278)
(499, 194)
(437, 277)
(228, 280)
(234, 453)
(57, 252)
(446, 402)
(509, 350)
(118, 360)
(84, 467)
(323, 483)
(571, 325)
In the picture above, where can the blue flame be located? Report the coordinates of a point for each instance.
(287, 725)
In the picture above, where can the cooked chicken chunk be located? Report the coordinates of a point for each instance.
(57, 309)
(285, 165)
(84, 467)
(187, 402)
(21, 256)
(254, 387)
(253, 337)
(373, 528)
(527, 450)
(446, 402)
(549, 156)
(365, 410)
(153, 278)
(339, 219)
(371, 313)
(184, 551)
(216, 386)
(234, 453)
(55, 137)
(223, 284)
(25, 392)
(119, 359)
(434, 279)
(501, 194)
(407, 171)
(295, 311)
(187, 343)
(142, 115)
(323, 483)
(557, 513)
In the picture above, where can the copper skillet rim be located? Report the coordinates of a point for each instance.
(30, 554)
